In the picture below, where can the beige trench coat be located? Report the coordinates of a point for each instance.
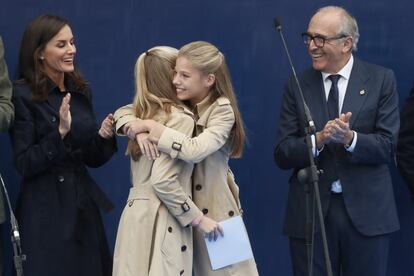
(152, 236)
(214, 189)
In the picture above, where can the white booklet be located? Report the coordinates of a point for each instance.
(233, 248)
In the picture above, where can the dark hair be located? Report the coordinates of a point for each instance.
(37, 34)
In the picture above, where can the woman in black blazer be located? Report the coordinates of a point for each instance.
(55, 137)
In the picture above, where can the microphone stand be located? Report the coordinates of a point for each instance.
(18, 257)
(314, 173)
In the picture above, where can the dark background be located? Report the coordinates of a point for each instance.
(110, 35)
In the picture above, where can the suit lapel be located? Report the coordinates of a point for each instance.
(356, 92)
(314, 94)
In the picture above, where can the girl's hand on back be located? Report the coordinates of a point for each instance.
(148, 148)
(138, 126)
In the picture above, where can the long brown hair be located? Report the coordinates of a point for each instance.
(35, 38)
(154, 91)
(206, 58)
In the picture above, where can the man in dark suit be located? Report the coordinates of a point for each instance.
(6, 118)
(355, 108)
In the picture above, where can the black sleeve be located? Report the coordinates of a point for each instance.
(32, 154)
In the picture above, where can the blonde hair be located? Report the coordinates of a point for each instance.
(206, 58)
(154, 91)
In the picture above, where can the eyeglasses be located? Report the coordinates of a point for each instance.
(319, 40)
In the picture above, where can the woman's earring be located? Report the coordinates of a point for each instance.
(42, 58)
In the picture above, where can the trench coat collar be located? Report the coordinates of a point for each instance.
(187, 111)
(200, 110)
(54, 89)
(69, 84)
(202, 106)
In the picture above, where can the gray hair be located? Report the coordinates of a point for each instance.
(348, 25)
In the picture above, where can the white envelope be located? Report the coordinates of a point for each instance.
(233, 248)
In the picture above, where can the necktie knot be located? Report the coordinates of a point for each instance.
(334, 79)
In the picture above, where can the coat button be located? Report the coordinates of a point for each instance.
(198, 187)
(183, 248)
(182, 272)
(170, 229)
(61, 178)
(205, 211)
(130, 203)
(53, 119)
(231, 213)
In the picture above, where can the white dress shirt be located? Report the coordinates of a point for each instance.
(345, 73)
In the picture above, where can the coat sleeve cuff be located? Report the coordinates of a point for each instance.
(171, 142)
(187, 212)
(120, 122)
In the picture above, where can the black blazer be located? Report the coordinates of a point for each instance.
(57, 190)
(372, 98)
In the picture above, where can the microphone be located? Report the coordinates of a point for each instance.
(276, 22)
(19, 257)
(308, 115)
(304, 175)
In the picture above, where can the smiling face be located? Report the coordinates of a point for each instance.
(334, 55)
(58, 55)
(190, 83)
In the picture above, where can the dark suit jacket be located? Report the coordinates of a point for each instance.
(372, 98)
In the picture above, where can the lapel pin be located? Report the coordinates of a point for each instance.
(362, 92)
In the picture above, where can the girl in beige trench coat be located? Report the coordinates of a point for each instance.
(153, 238)
(202, 78)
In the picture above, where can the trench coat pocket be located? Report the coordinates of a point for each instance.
(144, 206)
(176, 246)
(142, 193)
(135, 238)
